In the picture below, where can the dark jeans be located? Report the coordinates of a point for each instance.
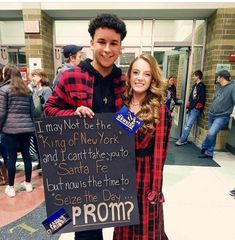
(14, 142)
(3, 149)
(89, 235)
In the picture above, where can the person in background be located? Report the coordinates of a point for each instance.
(42, 90)
(194, 106)
(232, 192)
(72, 57)
(145, 96)
(31, 85)
(16, 122)
(42, 85)
(3, 150)
(219, 112)
(99, 81)
(1, 77)
(171, 94)
(58, 70)
(33, 149)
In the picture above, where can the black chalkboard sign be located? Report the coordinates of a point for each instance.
(88, 169)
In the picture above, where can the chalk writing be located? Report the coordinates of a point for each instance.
(89, 169)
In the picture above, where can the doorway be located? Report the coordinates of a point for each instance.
(174, 62)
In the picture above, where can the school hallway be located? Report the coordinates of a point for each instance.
(197, 206)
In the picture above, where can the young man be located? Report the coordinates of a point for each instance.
(194, 106)
(96, 85)
(72, 57)
(219, 112)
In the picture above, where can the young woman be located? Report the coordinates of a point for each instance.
(16, 122)
(41, 92)
(41, 83)
(145, 96)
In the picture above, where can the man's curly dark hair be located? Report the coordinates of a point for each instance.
(110, 21)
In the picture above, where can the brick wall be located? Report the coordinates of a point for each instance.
(220, 44)
(40, 45)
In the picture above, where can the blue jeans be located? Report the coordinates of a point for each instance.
(192, 117)
(14, 142)
(215, 124)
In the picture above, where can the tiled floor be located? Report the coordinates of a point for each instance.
(24, 202)
(197, 207)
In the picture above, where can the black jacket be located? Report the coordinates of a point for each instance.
(197, 96)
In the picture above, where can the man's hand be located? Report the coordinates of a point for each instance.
(83, 111)
(233, 115)
(188, 105)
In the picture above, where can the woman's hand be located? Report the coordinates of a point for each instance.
(83, 111)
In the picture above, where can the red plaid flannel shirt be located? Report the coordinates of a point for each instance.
(162, 137)
(75, 89)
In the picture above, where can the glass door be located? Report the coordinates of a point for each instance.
(174, 62)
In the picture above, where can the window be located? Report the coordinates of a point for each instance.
(72, 32)
(199, 32)
(173, 30)
(16, 56)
